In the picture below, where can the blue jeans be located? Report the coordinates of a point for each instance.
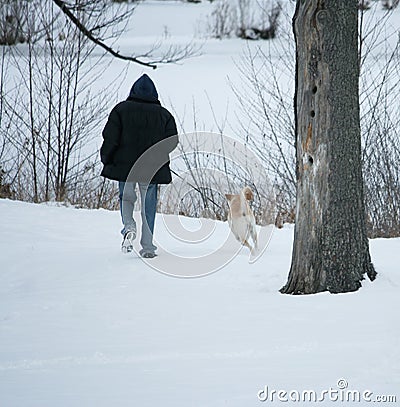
(148, 199)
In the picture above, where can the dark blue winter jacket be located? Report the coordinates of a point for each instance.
(133, 127)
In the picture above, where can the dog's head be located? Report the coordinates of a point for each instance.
(248, 193)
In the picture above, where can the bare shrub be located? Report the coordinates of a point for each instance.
(266, 29)
(390, 4)
(380, 124)
(13, 22)
(93, 192)
(222, 23)
(17, 22)
(5, 187)
(51, 117)
(364, 4)
(238, 18)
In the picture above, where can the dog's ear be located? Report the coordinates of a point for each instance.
(229, 197)
(248, 193)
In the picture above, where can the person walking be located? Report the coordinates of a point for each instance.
(137, 140)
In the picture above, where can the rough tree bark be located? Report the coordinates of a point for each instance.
(330, 249)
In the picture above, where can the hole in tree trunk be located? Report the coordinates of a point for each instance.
(314, 90)
(310, 160)
(312, 113)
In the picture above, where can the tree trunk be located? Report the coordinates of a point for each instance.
(330, 249)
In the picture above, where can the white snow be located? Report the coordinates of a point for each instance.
(81, 324)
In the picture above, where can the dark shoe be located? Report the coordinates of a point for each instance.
(148, 255)
(127, 243)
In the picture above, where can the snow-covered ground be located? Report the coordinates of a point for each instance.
(83, 325)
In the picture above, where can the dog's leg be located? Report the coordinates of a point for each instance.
(247, 244)
(253, 233)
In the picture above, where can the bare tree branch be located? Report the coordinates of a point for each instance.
(172, 55)
(88, 33)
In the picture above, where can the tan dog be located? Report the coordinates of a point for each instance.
(241, 218)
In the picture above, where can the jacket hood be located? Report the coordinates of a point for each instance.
(145, 89)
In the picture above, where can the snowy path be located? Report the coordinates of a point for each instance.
(83, 325)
